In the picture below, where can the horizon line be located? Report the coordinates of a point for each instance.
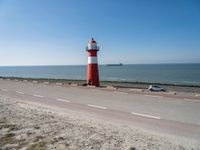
(98, 64)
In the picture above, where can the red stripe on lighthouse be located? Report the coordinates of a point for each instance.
(93, 75)
(92, 53)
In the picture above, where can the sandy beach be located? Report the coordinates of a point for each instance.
(29, 126)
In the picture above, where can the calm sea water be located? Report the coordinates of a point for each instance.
(188, 74)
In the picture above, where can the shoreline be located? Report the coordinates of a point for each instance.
(102, 81)
(116, 84)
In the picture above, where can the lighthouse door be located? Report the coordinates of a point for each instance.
(90, 82)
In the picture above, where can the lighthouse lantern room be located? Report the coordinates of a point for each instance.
(92, 72)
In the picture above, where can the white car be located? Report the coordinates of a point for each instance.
(156, 88)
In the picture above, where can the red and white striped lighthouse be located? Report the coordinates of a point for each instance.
(92, 72)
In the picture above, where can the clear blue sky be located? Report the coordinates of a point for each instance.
(55, 32)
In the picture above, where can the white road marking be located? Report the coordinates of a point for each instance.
(46, 82)
(188, 99)
(153, 96)
(5, 90)
(40, 96)
(137, 90)
(59, 83)
(19, 92)
(144, 115)
(120, 92)
(62, 100)
(101, 107)
(197, 95)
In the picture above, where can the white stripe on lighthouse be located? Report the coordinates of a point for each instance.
(92, 60)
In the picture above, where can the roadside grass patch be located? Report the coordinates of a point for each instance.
(11, 127)
(37, 146)
(38, 138)
(132, 148)
(7, 139)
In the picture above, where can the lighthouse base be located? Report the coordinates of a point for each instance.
(93, 75)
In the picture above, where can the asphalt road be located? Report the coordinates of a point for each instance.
(173, 116)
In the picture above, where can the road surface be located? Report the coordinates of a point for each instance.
(169, 116)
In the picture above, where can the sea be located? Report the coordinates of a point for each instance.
(182, 74)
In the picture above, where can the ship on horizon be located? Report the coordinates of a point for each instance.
(120, 64)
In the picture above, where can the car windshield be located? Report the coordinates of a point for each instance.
(156, 86)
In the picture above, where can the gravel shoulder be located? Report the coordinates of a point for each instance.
(30, 126)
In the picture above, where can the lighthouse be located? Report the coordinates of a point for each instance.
(92, 72)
